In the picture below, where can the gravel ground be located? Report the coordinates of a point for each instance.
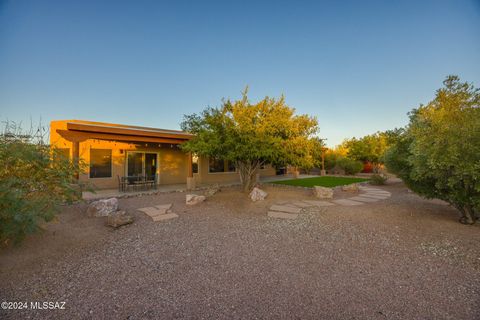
(401, 258)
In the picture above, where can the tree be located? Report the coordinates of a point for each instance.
(34, 180)
(251, 135)
(438, 154)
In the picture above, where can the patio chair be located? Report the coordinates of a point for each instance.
(122, 184)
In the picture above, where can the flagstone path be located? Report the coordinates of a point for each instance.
(291, 210)
(160, 212)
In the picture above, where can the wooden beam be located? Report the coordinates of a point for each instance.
(127, 131)
(80, 136)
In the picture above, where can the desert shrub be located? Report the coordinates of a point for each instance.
(438, 154)
(350, 166)
(34, 180)
(378, 179)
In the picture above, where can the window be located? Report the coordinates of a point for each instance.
(216, 165)
(230, 166)
(220, 165)
(100, 163)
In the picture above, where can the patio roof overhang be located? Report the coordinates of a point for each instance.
(78, 132)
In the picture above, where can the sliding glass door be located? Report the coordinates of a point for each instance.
(142, 164)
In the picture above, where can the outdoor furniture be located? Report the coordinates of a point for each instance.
(137, 183)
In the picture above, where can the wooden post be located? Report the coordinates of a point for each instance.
(76, 156)
(190, 178)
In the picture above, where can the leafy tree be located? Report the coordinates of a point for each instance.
(251, 135)
(438, 154)
(34, 180)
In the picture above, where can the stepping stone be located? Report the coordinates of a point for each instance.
(363, 199)
(285, 208)
(376, 196)
(167, 206)
(318, 203)
(163, 217)
(152, 211)
(378, 192)
(282, 215)
(302, 204)
(347, 202)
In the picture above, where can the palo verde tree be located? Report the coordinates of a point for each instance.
(251, 135)
(438, 154)
(34, 180)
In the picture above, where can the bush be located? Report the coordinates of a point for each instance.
(438, 154)
(350, 166)
(34, 180)
(378, 179)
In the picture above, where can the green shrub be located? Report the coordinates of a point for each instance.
(34, 180)
(438, 154)
(378, 179)
(350, 166)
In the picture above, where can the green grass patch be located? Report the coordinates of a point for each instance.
(325, 181)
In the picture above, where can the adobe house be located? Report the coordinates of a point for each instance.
(112, 151)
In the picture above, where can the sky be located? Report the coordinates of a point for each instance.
(358, 66)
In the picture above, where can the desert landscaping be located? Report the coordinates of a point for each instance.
(401, 257)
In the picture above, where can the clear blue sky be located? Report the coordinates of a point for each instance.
(359, 66)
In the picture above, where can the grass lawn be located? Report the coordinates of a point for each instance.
(321, 181)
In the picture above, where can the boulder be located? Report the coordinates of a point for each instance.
(193, 199)
(322, 192)
(118, 219)
(258, 194)
(102, 208)
(211, 190)
(350, 187)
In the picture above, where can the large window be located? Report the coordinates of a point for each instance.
(100, 163)
(220, 165)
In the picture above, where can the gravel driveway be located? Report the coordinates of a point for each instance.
(401, 258)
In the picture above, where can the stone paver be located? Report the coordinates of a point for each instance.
(163, 217)
(302, 204)
(164, 206)
(363, 199)
(285, 208)
(376, 196)
(346, 202)
(318, 203)
(290, 209)
(152, 211)
(282, 215)
(160, 212)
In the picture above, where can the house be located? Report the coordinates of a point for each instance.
(112, 151)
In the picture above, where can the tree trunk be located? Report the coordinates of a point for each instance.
(247, 172)
(468, 215)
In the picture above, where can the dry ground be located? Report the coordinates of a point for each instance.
(401, 258)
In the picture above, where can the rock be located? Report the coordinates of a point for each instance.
(102, 208)
(211, 190)
(258, 194)
(350, 187)
(193, 199)
(118, 219)
(322, 192)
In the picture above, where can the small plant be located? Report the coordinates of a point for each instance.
(378, 179)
